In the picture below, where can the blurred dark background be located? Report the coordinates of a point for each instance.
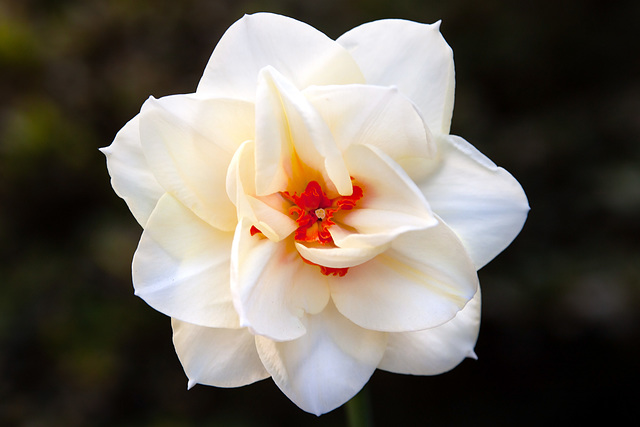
(548, 89)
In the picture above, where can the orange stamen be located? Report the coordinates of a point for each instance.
(329, 271)
(314, 212)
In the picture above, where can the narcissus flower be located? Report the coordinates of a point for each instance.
(307, 216)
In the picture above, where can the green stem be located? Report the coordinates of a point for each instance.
(359, 410)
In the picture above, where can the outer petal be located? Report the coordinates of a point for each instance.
(189, 143)
(422, 281)
(436, 350)
(131, 176)
(217, 357)
(413, 56)
(378, 116)
(272, 287)
(328, 365)
(300, 52)
(181, 267)
(481, 202)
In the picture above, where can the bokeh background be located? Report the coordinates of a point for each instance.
(548, 89)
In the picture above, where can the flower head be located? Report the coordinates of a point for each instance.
(306, 214)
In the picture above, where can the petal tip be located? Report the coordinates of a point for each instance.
(191, 383)
(472, 355)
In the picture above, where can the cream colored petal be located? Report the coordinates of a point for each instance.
(298, 51)
(421, 282)
(377, 116)
(328, 365)
(181, 267)
(306, 133)
(274, 148)
(413, 56)
(481, 202)
(260, 212)
(217, 357)
(131, 176)
(391, 202)
(189, 143)
(436, 350)
(272, 286)
(339, 257)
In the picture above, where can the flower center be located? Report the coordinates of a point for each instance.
(313, 211)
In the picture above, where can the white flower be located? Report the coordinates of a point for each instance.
(307, 215)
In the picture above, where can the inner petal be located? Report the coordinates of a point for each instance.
(290, 130)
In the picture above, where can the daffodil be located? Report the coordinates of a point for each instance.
(307, 216)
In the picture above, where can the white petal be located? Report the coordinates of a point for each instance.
(300, 52)
(339, 257)
(306, 132)
(189, 143)
(377, 116)
(274, 148)
(328, 365)
(260, 212)
(131, 176)
(481, 202)
(217, 357)
(436, 350)
(181, 267)
(422, 281)
(272, 286)
(413, 56)
(391, 204)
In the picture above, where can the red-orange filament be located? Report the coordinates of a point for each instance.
(314, 212)
(329, 271)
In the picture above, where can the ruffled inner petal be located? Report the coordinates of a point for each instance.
(272, 288)
(378, 116)
(304, 138)
(336, 257)
(264, 213)
(392, 204)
